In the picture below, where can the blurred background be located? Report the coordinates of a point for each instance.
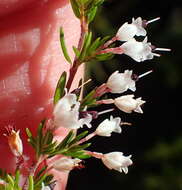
(155, 138)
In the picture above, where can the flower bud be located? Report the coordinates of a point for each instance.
(117, 161)
(15, 142)
(121, 82)
(108, 126)
(66, 164)
(128, 104)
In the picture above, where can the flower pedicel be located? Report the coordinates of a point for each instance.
(72, 109)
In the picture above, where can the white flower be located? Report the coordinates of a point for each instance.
(128, 104)
(108, 126)
(120, 82)
(15, 142)
(117, 161)
(66, 164)
(128, 31)
(66, 113)
(139, 51)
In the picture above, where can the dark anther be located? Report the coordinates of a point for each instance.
(134, 77)
(84, 114)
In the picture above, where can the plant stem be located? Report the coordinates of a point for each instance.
(76, 63)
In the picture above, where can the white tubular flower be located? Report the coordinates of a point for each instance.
(15, 142)
(117, 161)
(139, 51)
(108, 126)
(128, 31)
(121, 82)
(66, 113)
(66, 164)
(128, 104)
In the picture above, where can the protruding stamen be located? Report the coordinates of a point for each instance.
(85, 83)
(144, 74)
(105, 111)
(156, 54)
(162, 49)
(125, 123)
(153, 20)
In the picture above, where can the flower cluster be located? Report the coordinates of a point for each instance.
(72, 110)
(137, 50)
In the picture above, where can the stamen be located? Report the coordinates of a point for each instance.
(89, 80)
(156, 54)
(105, 111)
(125, 123)
(153, 20)
(144, 74)
(162, 49)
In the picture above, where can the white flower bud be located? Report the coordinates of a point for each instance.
(108, 126)
(128, 104)
(121, 82)
(117, 161)
(66, 113)
(15, 142)
(139, 51)
(128, 31)
(66, 164)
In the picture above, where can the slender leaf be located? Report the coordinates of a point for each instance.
(76, 51)
(66, 140)
(78, 137)
(63, 46)
(91, 15)
(30, 183)
(75, 8)
(59, 92)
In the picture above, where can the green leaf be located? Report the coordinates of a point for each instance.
(10, 179)
(78, 137)
(63, 46)
(91, 15)
(66, 140)
(80, 154)
(29, 134)
(77, 148)
(105, 56)
(75, 8)
(89, 99)
(94, 46)
(76, 51)
(86, 44)
(59, 92)
(39, 181)
(30, 183)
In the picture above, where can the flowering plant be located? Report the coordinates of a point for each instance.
(72, 109)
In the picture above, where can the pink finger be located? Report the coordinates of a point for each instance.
(30, 65)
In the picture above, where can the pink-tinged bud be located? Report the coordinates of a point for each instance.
(117, 161)
(14, 141)
(128, 104)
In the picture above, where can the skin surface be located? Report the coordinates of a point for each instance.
(31, 62)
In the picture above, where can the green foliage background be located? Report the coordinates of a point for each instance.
(155, 139)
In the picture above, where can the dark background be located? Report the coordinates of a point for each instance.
(155, 137)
